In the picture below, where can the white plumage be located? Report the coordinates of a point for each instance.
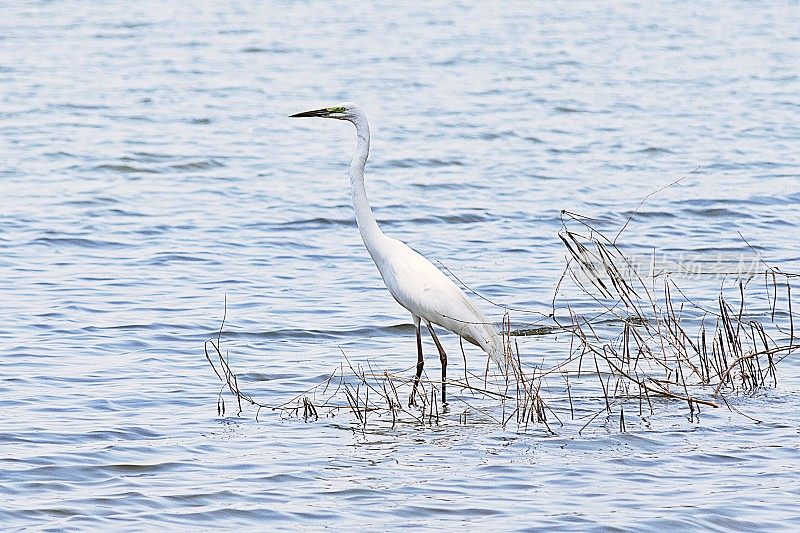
(429, 294)
(413, 281)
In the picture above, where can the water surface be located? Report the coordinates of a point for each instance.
(149, 170)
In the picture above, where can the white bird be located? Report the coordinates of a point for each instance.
(413, 281)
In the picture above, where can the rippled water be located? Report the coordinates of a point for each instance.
(149, 170)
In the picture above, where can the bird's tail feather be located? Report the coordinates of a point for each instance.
(492, 343)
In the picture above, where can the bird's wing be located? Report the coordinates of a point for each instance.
(427, 292)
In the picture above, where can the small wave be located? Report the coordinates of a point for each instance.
(133, 25)
(316, 222)
(453, 61)
(565, 63)
(140, 118)
(464, 218)
(124, 327)
(133, 468)
(230, 515)
(150, 157)
(167, 258)
(747, 166)
(719, 212)
(77, 242)
(267, 50)
(127, 433)
(80, 203)
(236, 31)
(577, 150)
(543, 177)
(126, 169)
(198, 165)
(100, 213)
(11, 172)
(493, 135)
(446, 186)
(645, 214)
(92, 202)
(58, 155)
(713, 251)
(324, 334)
(565, 109)
(192, 44)
(412, 162)
(654, 150)
(79, 107)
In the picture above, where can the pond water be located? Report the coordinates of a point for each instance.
(150, 173)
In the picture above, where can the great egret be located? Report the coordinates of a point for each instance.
(415, 283)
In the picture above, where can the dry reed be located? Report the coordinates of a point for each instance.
(640, 341)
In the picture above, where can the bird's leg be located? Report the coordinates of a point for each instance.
(420, 364)
(443, 359)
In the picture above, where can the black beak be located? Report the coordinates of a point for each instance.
(315, 113)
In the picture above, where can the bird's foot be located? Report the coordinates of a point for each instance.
(411, 401)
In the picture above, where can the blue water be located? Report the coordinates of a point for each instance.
(149, 172)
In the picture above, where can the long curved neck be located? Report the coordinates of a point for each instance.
(370, 232)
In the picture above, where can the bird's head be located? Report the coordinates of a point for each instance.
(344, 111)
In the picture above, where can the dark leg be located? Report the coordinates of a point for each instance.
(420, 364)
(443, 359)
